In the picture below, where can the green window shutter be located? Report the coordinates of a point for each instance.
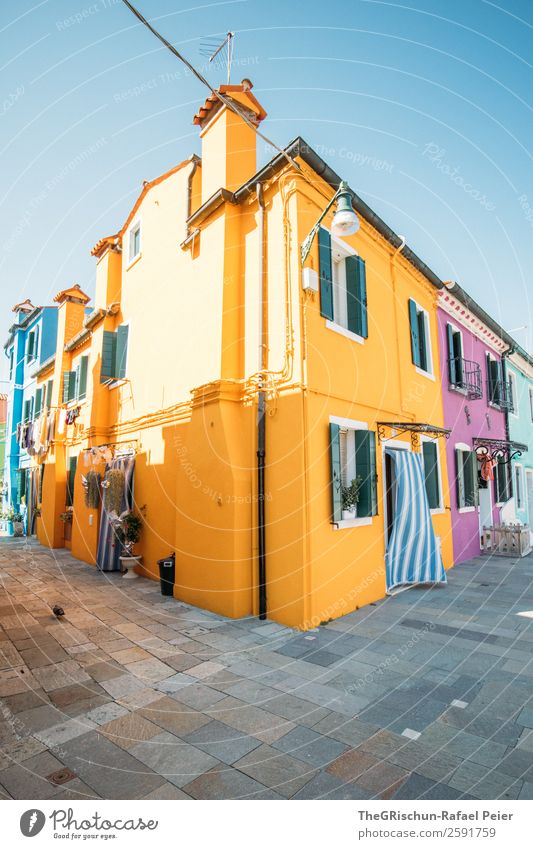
(501, 482)
(21, 485)
(452, 370)
(365, 468)
(82, 381)
(30, 347)
(38, 402)
(71, 477)
(422, 340)
(66, 387)
(27, 409)
(49, 387)
(415, 335)
(469, 479)
(109, 355)
(459, 484)
(122, 350)
(325, 273)
(431, 472)
(336, 479)
(356, 295)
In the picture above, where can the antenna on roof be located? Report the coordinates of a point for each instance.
(221, 52)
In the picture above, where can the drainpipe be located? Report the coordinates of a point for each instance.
(261, 413)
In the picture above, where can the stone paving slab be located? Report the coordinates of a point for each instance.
(138, 694)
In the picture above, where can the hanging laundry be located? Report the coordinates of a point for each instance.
(72, 415)
(62, 421)
(488, 464)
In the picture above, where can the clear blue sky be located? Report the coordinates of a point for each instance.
(424, 107)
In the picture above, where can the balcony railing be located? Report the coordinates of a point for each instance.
(467, 377)
(500, 393)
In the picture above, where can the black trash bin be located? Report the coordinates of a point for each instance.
(167, 572)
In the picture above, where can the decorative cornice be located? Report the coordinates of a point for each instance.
(460, 313)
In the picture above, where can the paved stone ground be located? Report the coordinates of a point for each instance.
(425, 695)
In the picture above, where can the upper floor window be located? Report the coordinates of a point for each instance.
(466, 480)
(499, 391)
(75, 382)
(455, 356)
(342, 286)
(512, 394)
(134, 248)
(32, 345)
(420, 338)
(114, 354)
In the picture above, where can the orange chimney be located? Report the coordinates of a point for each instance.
(229, 144)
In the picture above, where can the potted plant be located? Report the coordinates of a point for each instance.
(18, 526)
(128, 527)
(350, 498)
(9, 517)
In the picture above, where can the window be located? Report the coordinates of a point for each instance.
(466, 478)
(342, 286)
(38, 402)
(32, 345)
(28, 409)
(502, 489)
(353, 458)
(518, 487)
(114, 354)
(11, 363)
(71, 477)
(494, 380)
(513, 405)
(455, 357)
(420, 341)
(75, 382)
(430, 457)
(49, 387)
(135, 241)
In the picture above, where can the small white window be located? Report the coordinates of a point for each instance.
(135, 241)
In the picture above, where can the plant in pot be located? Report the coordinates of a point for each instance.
(350, 497)
(9, 518)
(128, 527)
(18, 526)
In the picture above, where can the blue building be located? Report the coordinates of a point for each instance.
(519, 367)
(31, 341)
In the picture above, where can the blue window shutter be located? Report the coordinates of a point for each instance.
(415, 339)
(122, 350)
(325, 273)
(356, 295)
(109, 355)
(452, 371)
(365, 468)
(82, 379)
(336, 478)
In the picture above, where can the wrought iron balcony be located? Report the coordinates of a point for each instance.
(500, 393)
(467, 377)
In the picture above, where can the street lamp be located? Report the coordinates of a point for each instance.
(345, 221)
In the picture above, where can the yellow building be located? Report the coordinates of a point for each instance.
(202, 308)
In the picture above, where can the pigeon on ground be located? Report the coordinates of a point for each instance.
(58, 611)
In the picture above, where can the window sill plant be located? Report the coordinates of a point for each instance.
(350, 498)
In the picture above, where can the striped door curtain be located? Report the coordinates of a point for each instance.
(413, 555)
(109, 547)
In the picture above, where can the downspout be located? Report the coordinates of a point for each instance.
(510, 482)
(261, 413)
(398, 250)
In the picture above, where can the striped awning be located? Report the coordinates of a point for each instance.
(413, 555)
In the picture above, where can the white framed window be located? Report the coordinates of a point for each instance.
(342, 287)
(466, 480)
(353, 472)
(134, 241)
(432, 473)
(519, 486)
(531, 403)
(455, 357)
(420, 339)
(32, 345)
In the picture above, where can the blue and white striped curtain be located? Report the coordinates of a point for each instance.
(109, 548)
(413, 555)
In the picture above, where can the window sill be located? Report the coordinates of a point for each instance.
(352, 523)
(467, 509)
(342, 331)
(113, 384)
(134, 261)
(437, 511)
(459, 389)
(427, 374)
